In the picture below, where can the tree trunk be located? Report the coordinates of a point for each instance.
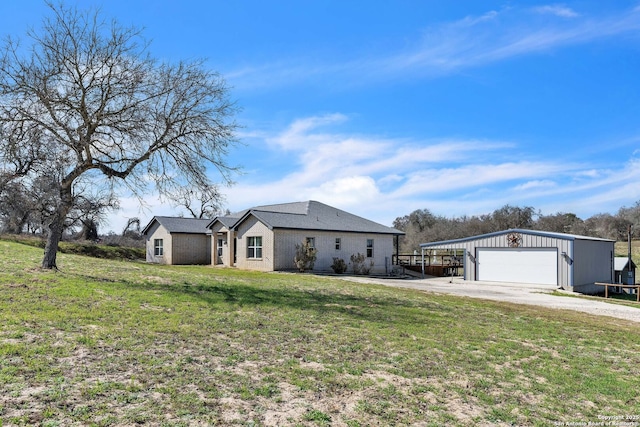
(51, 248)
(56, 227)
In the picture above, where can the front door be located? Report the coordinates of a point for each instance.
(221, 244)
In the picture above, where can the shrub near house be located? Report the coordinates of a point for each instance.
(305, 256)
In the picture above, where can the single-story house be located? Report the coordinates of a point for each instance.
(560, 260)
(625, 271)
(265, 237)
(173, 240)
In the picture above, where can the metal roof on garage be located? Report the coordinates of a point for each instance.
(563, 236)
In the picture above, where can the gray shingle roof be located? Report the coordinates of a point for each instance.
(180, 225)
(228, 220)
(312, 215)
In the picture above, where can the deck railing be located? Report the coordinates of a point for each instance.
(434, 265)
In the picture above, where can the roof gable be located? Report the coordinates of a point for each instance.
(180, 225)
(228, 220)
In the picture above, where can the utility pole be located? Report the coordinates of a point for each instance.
(630, 278)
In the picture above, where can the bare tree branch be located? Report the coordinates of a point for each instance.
(90, 99)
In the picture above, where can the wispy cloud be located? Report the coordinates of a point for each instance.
(384, 178)
(557, 10)
(450, 47)
(506, 34)
(387, 178)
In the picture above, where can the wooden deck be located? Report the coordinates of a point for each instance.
(444, 265)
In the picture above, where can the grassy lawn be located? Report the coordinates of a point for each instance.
(124, 343)
(622, 249)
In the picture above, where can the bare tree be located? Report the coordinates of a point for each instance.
(632, 216)
(88, 100)
(559, 223)
(513, 217)
(203, 203)
(15, 208)
(89, 211)
(133, 226)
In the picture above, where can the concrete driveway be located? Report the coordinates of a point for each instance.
(518, 293)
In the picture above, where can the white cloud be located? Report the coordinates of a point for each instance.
(295, 136)
(347, 191)
(536, 184)
(474, 175)
(557, 10)
(383, 178)
(386, 178)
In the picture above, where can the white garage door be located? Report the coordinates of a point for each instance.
(518, 265)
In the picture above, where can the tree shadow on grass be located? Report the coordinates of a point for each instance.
(366, 307)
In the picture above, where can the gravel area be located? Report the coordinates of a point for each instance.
(510, 292)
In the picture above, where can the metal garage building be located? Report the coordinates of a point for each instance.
(559, 260)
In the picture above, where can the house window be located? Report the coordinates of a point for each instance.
(338, 243)
(254, 247)
(369, 248)
(158, 249)
(311, 242)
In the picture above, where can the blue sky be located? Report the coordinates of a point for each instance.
(381, 107)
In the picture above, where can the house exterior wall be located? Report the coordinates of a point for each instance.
(157, 231)
(190, 248)
(254, 228)
(593, 262)
(325, 244)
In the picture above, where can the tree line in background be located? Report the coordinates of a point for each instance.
(422, 226)
(27, 206)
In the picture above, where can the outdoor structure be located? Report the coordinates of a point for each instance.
(172, 240)
(265, 237)
(624, 274)
(559, 260)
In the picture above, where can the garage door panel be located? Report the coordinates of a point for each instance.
(518, 265)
